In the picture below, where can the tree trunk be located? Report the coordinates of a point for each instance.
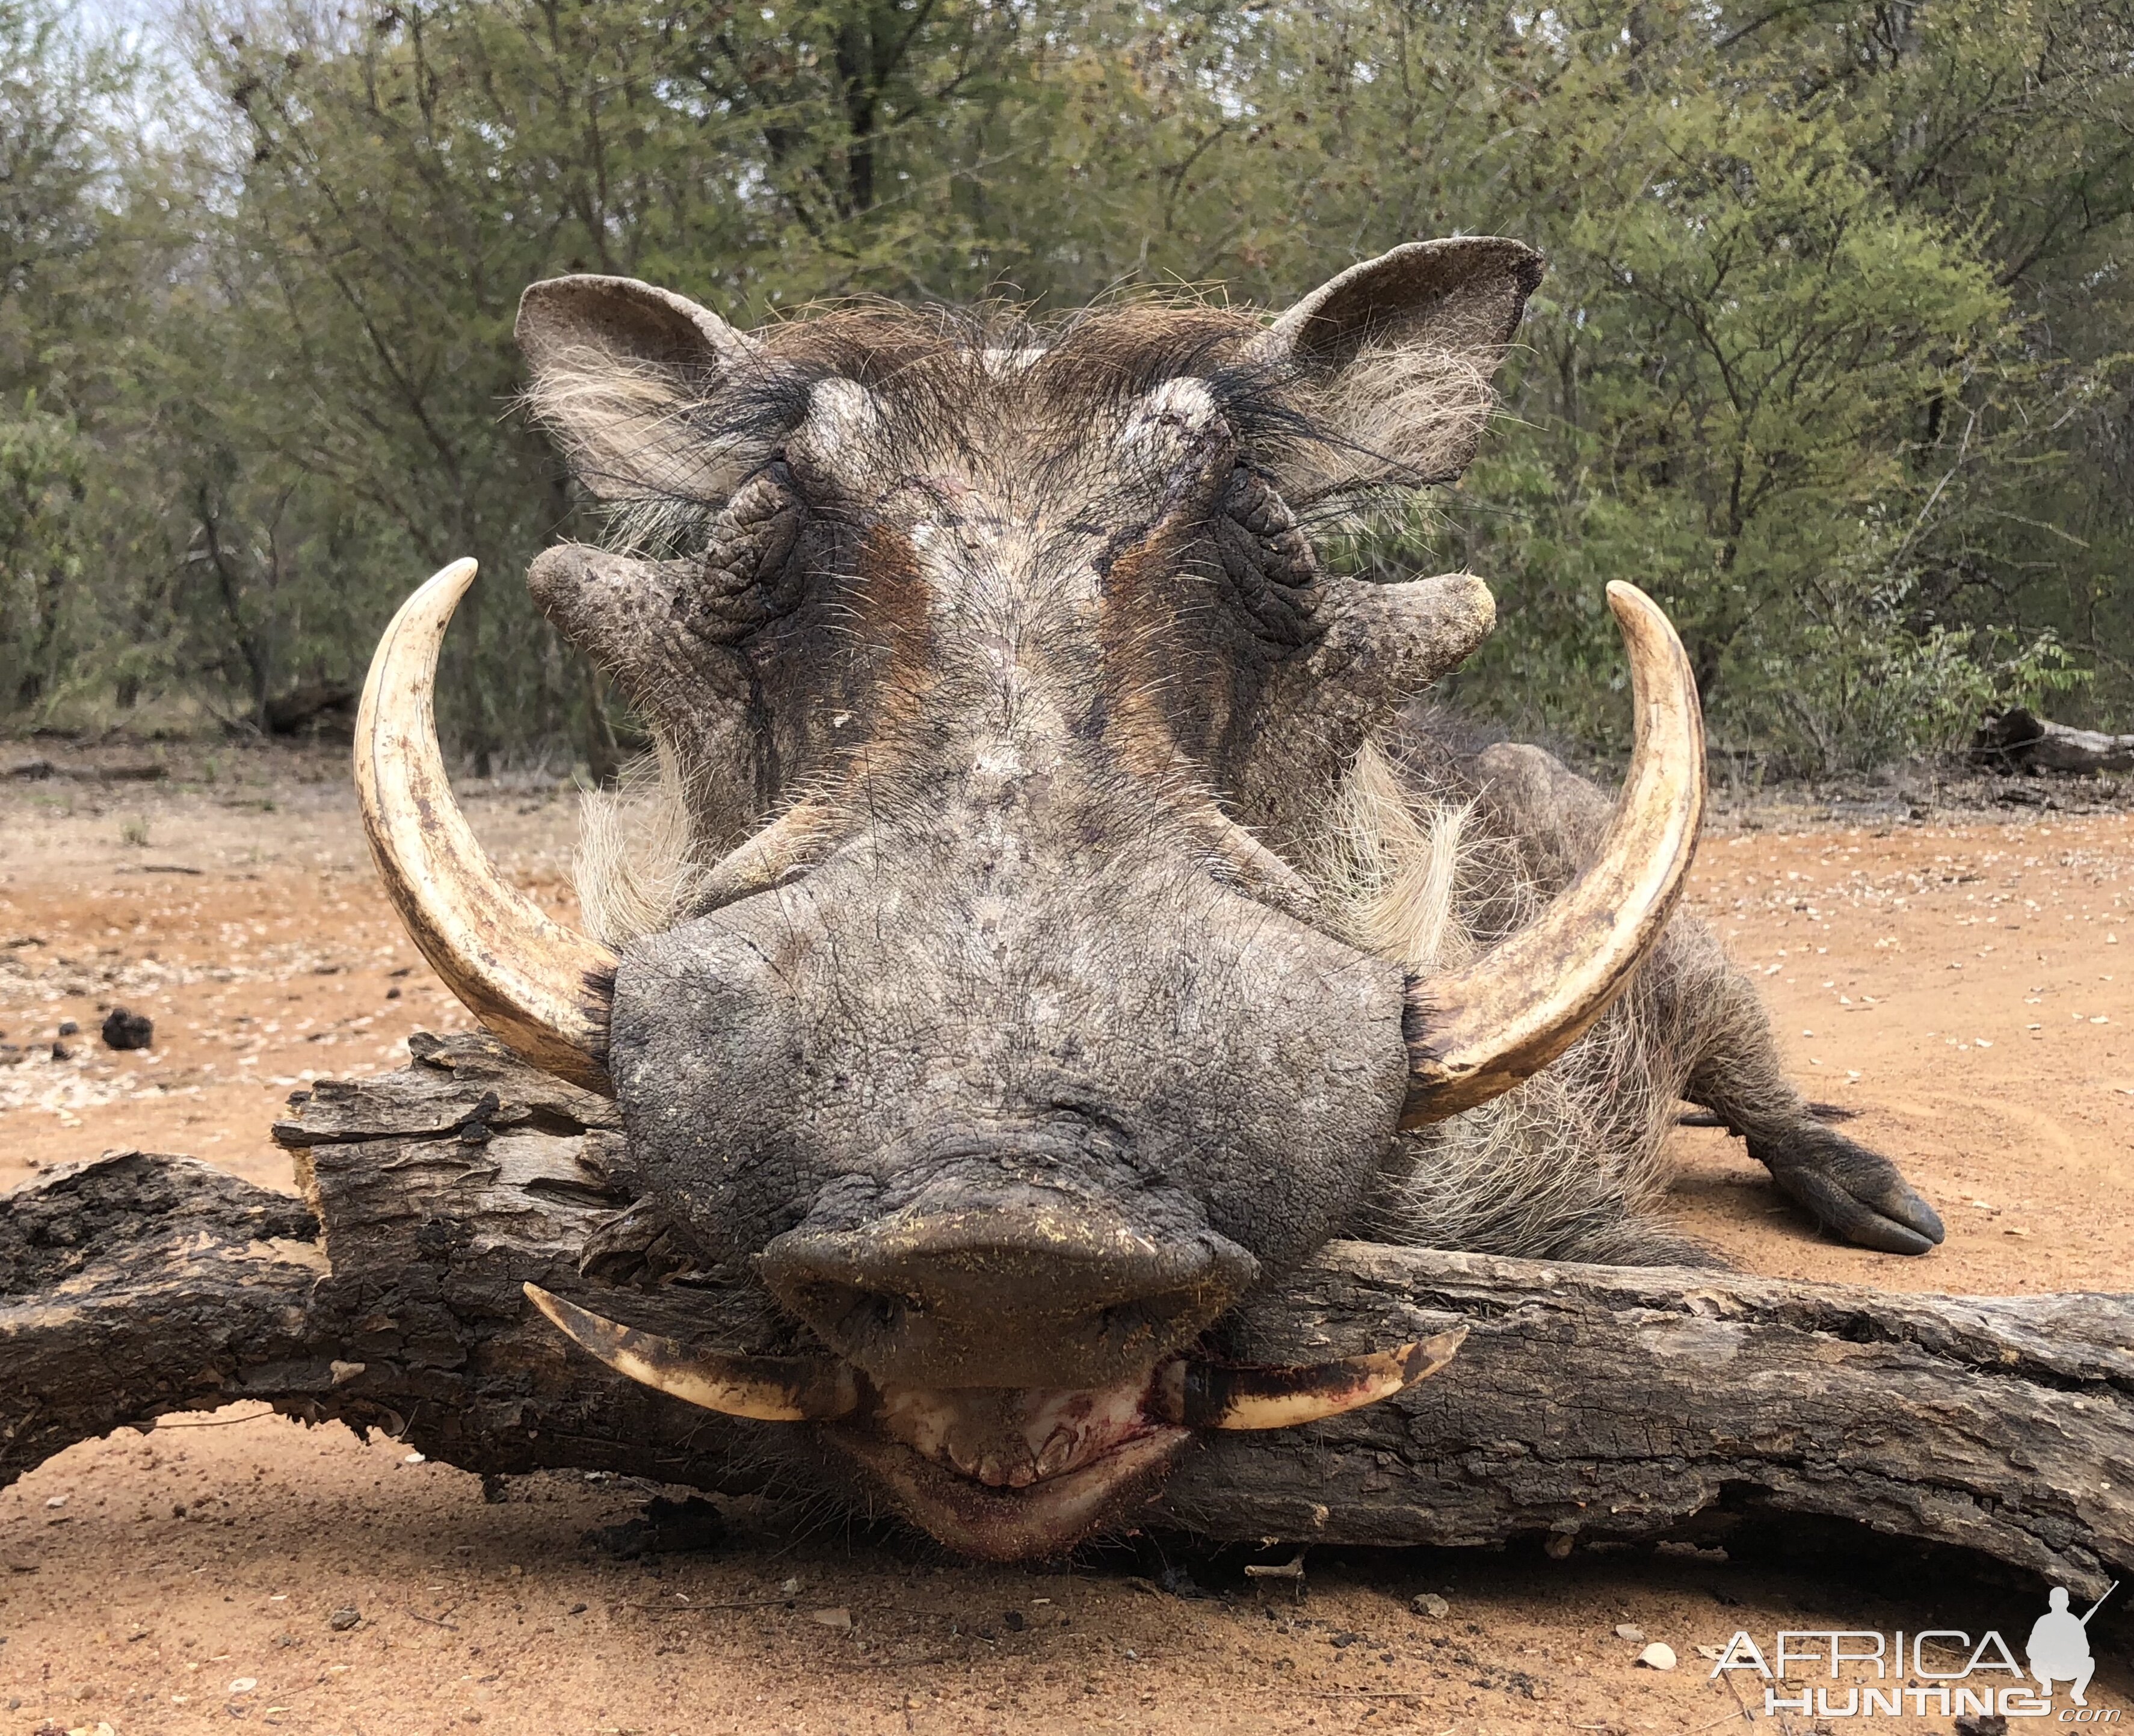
(1589, 1401)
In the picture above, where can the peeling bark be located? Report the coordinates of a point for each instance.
(1599, 1402)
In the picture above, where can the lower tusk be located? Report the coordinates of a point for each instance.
(795, 840)
(1209, 1395)
(768, 1389)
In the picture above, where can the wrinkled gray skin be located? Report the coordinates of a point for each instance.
(970, 1089)
(1032, 1063)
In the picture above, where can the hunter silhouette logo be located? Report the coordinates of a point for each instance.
(1987, 1682)
(2059, 1649)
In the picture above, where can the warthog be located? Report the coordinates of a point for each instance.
(1057, 920)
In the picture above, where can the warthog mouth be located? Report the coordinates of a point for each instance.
(1005, 1474)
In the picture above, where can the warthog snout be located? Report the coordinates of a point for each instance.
(989, 1281)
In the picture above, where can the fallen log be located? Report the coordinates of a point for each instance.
(38, 771)
(2019, 740)
(1592, 1403)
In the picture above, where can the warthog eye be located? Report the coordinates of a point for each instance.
(750, 572)
(1264, 559)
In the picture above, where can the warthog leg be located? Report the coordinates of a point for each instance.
(1709, 1037)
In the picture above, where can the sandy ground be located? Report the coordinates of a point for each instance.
(1961, 981)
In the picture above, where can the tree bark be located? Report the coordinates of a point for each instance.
(1599, 1403)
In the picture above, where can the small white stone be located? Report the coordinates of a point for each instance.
(1657, 1657)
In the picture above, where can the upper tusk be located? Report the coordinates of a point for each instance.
(769, 1389)
(1209, 1395)
(1261, 872)
(1477, 1032)
(540, 986)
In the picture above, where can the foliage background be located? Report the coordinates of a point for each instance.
(1833, 354)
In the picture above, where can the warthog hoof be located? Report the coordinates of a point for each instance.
(1851, 1191)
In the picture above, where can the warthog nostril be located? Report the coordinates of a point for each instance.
(1018, 1295)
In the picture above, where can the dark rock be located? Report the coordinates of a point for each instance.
(68, 1027)
(341, 1620)
(124, 1029)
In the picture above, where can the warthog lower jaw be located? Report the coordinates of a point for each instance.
(1033, 1522)
(1005, 1474)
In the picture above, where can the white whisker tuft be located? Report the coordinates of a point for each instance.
(638, 871)
(1396, 869)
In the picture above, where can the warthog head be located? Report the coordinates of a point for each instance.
(997, 1027)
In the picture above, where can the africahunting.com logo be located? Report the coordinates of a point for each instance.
(1918, 1679)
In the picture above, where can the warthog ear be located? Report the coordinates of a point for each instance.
(642, 386)
(1394, 358)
